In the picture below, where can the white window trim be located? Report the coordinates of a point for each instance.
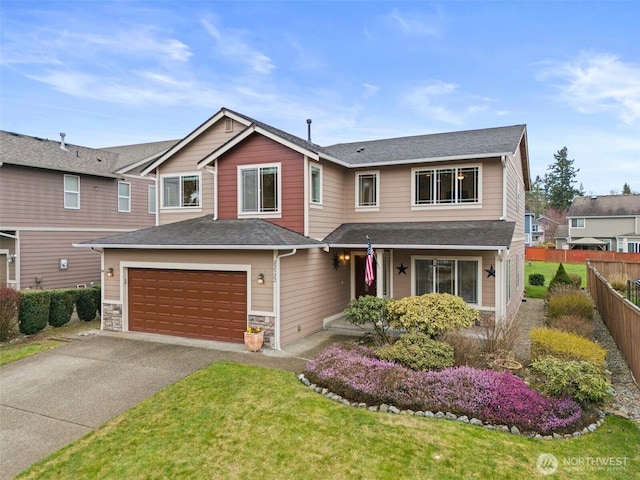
(276, 214)
(151, 194)
(311, 169)
(128, 197)
(430, 257)
(439, 206)
(584, 222)
(77, 193)
(181, 176)
(367, 208)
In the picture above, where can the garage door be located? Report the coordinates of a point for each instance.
(197, 304)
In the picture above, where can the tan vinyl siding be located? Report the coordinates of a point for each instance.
(35, 197)
(323, 220)
(40, 254)
(516, 254)
(311, 291)
(186, 161)
(260, 262)
(396, 196)
(603, 227)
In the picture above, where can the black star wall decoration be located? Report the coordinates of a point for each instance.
(490, 272)
(402, 269)
(335, 261)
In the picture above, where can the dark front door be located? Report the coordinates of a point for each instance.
(361, 286)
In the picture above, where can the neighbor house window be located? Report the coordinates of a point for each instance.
(446, 186)
(316, 184)
(181, 191)
(577, 223)
(455, 276)
(151, 199)
(71, 191)
(124, 197)
(633, 247)
(367, 191)
(259, 189)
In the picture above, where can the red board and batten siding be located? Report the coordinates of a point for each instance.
(257, 150)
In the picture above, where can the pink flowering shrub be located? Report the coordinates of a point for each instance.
(496, 398)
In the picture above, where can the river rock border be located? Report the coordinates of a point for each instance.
(384, 408)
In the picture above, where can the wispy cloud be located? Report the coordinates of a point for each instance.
(435, 100)
(595, 83)
(415, 24)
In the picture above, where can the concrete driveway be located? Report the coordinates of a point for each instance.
(51, 399)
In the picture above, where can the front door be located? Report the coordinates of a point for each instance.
(362, 288)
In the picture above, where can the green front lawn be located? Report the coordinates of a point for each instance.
(230, 421)
(548, 269)
(13, 352)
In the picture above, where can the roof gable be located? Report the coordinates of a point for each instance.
(605, 206)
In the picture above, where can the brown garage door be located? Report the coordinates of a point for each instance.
(198, 304)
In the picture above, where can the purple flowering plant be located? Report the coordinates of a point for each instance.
(355, 373)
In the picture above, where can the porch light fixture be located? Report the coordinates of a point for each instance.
(11, 258)
(110, 272)
(260, 279)
(460, 176)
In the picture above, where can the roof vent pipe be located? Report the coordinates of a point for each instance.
(62, 145)
(309, 130)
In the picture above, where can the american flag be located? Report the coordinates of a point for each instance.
(368, 269)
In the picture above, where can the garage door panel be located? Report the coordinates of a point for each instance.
(199, 304)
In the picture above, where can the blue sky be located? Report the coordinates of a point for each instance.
(121, 72)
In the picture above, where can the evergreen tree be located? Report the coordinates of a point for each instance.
(535, 200)
(626, 189)
(560, 180)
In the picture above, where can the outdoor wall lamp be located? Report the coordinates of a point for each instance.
(12, 257)
(346, 256)
(260, 279)
(110, 272)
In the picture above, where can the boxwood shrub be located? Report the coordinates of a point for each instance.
(9, 307)
(34, 311)
(418, 352)
(536, 279)
(62, 302)
(86, 306)
(565, 346)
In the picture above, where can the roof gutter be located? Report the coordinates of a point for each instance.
(276, 294)
(196, 247)
(362, 246)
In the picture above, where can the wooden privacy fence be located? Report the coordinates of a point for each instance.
(576, 256)
(621, 317)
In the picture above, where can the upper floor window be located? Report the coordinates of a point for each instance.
(316, 184)
(151, 199)
(181, 191)
(446, 186)
(367, 191)
(124, 197)
(577, 223)
(72, 191)
(455, 276)
(259, 189)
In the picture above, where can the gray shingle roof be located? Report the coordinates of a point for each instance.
(482, 234)
(27, 151)
(205, 232)
(605, 206)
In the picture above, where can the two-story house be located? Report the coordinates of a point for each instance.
(261, 227)
(533, 233)
(606, 222)
(54, 194)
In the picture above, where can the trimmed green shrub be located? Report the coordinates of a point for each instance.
(418, 352)
(86, 304)
(9, 305)
(536, 279)
(431, 313)
(561, 276)
(582, 381)
(570, 302)
(34, 310)
(565, 346)
(61, 309)
(572, 324)
(373, 311)
(97, 291)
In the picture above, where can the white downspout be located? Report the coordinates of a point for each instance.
(212, 171)
(503, 159)
(276, 294)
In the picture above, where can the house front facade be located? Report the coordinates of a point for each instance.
(606, 222)
(259, 227)
(54, 194)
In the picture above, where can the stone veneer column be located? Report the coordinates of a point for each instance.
(112, 317)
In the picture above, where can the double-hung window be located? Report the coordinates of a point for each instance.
(259, 189)
(577, 223)
(367, 190)
(315, 173)
(455, 276)
(446, 186)
(72, 191)
(181, 191)
(124, 197)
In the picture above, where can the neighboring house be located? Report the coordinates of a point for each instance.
(54, 194)
(259, 227)
(607, 222)
(562, 237)
(533, 231)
